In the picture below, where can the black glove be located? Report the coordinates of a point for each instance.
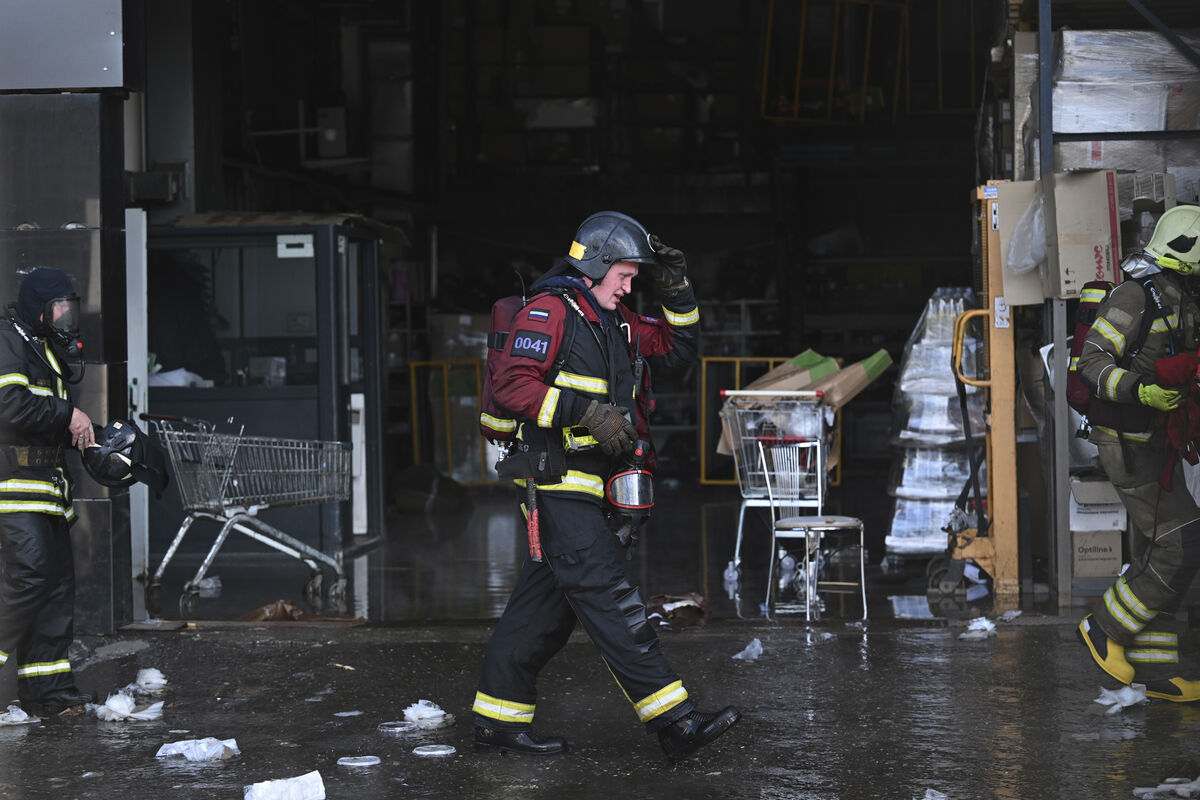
(671, 272)
(610, 427)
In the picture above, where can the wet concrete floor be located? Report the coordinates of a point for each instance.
(890, 708)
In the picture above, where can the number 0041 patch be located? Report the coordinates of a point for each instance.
(531, 344)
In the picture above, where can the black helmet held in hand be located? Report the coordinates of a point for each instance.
(605, 238)
(123, 455)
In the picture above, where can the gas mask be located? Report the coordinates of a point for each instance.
(60, 323)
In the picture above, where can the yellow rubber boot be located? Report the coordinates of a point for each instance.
(1107, 654)
(1177, 690)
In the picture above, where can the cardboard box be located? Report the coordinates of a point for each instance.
(1089, 232)
(1095, 506)
(796, 373)
(842, 386)
(1096, 554)
(1024, 288)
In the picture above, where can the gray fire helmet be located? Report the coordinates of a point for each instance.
(606, 238)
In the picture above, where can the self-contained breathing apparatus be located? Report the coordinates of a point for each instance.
(47, 309)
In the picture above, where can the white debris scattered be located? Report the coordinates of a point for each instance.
(206, 749)
(17, 716)
(669, 607)
(1124, 697)
(347, 713)
(933, 794)
(358, 761)
(302, 787)
(149, 681)
(428, 715)
(979, 628)
(1170, 789)
(752, 651)
(121, 706)
(1010, 615)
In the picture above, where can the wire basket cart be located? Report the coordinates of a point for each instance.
(770, 417)
(230, 477)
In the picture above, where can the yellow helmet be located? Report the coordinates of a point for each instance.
(1176, 240)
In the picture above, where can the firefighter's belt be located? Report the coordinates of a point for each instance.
(23, 456)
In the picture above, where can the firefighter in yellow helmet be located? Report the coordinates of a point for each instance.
(1132, 634)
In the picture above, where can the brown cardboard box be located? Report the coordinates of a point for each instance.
(795, 373)
(1096, 554)
(842, 386)
(1089, 231)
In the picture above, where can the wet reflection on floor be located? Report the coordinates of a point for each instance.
(460, 565)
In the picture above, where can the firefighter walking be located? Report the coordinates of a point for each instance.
(1133, 635)
(571, 391)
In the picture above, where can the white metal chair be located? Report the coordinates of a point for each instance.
(795, 478)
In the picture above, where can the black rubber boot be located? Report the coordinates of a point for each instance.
(64, 703)
(491, 740)
(686, 735)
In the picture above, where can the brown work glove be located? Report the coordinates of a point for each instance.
(610, 427)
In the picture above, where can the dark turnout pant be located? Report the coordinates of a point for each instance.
(582, 578)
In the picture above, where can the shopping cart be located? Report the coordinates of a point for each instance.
(770, 417)
(230, 477)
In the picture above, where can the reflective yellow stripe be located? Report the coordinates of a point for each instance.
(549, 404)
(573, 441)
(1114, 336)
(35, 506)
(1110, 383)
(1152, 656)
(1162, 326)
(14, 379)
(497, 424)
(1132, 603)
(681, 319)
(585, 383)
(1073, 363)
(61, 390)
(504, 710)
(1092, 295)
(41, 391)
(1160, 638)
(663, 700)
(43, 668)
(576, 481)
(1143, 436)
(3, 657)
(36, 487)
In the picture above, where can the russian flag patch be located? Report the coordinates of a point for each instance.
(538, 314)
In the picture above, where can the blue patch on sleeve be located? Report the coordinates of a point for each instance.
(531, 344)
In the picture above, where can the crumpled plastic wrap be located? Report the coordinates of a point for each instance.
(206, 749)
(15, 715)
(121, 706)
(428, 715)
(1122, 698)
(751, 652)
(308, 786)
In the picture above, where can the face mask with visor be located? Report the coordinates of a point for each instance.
(60, 320)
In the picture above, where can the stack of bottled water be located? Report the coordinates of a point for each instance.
(930, 463)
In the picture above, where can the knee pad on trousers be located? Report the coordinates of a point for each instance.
(1189, 545)
(629, 601)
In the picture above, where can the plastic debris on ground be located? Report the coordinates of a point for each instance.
(149, 681)
(427, 715)
(121, 706)
(347, 713)
(752, 651)
(1121, 698)
(206, 749)
(1010, 615)
(358, 761)
(434, 750)
(210, 587)
(302, 787)
(1170, 789)
(397, 727)
(979, 628)
(932, 794)
(17, 716)
(675, 611)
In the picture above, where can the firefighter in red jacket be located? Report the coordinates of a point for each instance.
(577, 415)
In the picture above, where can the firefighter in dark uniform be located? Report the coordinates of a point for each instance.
(579, 423)
(37, 421)
(1133, 634)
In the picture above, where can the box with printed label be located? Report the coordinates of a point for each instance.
(1096, 554)
(1095, 506)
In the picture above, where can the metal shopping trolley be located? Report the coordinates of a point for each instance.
(230, 477)
(770, 417)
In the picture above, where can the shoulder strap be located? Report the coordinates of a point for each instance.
(1154, 298)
